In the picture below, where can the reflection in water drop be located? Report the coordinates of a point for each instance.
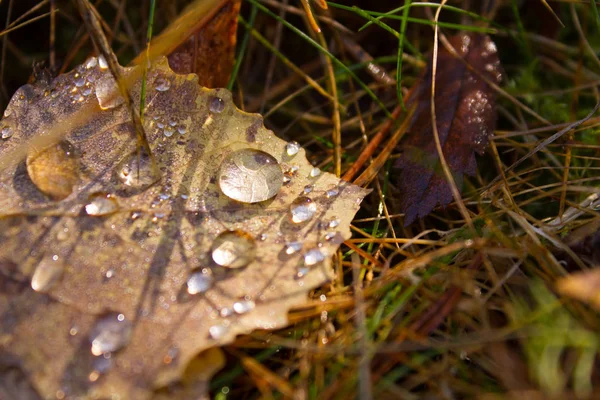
(315, 172)
(138, 170)
(111, 333)
(334, 223)
(101, 204)
(308, 189)
(47, 273)
(102, 62)
(216, 105)
(292, 148)
(218, 331)
(243, 306)
(250, 176)
(7, 132)
(332, 192)
(162, 84)
(233, 249)
(107, 93)
(293, 247)
(302, 209)
(91, 63)
(199, 282)
(313, 256)
(54, 170)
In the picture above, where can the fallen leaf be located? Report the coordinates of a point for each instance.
(583, 286)
(209, 50)
(112, 289)
(465, 115)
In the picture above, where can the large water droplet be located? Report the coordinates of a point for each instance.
(54, 170)
(302, 210)
(315, 172)
(102, 62)
(47, 273)
(91, 63)
(216, 105)
(199, 282)
(107, 93)
(111, 333)
(101, 204)
(250, 176)
(244, 306)
(138, 170)
(7, 132)
(292, 148)
(233, 249)
(162, 84)
(313, 257)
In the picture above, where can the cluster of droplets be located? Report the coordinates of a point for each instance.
(169, 127)
(83, 80)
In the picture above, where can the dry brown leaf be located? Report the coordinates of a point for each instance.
(583, 286)
(96, 296)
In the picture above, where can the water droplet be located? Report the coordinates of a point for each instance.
(292, 148)
(302, 210)
(168, 131)
(286, 179)
(111, 333)
(313, 256)
(218, 331)
(79, 81)
(101, 204)
(7, 113)
(250, 176)
(47, 273)
(226, 312)
(102, 62)
(329, 236)
(181, 129)
(332, 192)
(54, 170)
(199, 282)
(138, 170)
(233, 249)
(263, 237)
(334, 223)
(162, 84)
(7, 132)
(302, 272)
(244, 306)
(216, 105)
(293, 247)
(107, 93)
(91, 63)
(315, 172)
(109, 274)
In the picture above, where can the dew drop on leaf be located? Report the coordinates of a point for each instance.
(102, 62)
(302, 209)
(91, 63)
(244, 306)
(233, 249)
(217, 331)
(332, 192)
(47, 273)
(162, 84)
(110, 333)
(293, 247)
(250, 176)
(7, 132)
(100, 204)
(199, 282)
(54, 170)
(138, 170)
(315, 172)
(313, 257)
(217, 105)
(292, 148)
(107, 93)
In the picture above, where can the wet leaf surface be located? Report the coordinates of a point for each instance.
(465, 114)
(140, 262)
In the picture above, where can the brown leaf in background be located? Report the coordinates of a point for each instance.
(465, 113)
(210, 50)
(113, 284)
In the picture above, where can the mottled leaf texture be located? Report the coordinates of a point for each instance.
(465, 113)
(115, 279)
(210, 49)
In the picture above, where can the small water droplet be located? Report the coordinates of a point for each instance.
(47, 273)
(7, 112)
(102, 62)
(302, 272)
(308, 189)
(160, 125)
(292, 148)
(218, 331)
(334, 223)
(79, 80)
(315, 172)
(7, 132)
(244, 306)
(101, 365)
(302, 209)
(313, 257)
(138, 170)
(199, 282)
(286, 179)
(54, 170)
(263, 237)
(109, 274)
(332, 192)
(181, 129)
(293, 247)
(233, 249)
(86, 91)
(162, 84)
(250, 176)
(110, 333)
(101, 204)
(216, 105)
(226, 312)
(91, 63)
(329, 236)
(168, 131)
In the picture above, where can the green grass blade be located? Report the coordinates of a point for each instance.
(242, 50)
(144, 75)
